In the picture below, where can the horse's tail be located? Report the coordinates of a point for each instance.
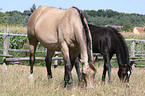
(123, 43)
(88, 37)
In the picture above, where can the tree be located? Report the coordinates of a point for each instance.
(25, 21)
(127, 27)
(3, 18)
(27, 14)
(15, 19)
(33, 8)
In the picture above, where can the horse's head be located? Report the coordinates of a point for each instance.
(124, 73)
(88, 74)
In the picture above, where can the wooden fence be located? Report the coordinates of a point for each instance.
(9, 58)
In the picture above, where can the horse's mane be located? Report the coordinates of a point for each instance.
(123, 43)
(89, 41)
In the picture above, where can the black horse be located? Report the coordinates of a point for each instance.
(108, 41)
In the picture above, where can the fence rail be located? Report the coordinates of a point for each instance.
(6, 49)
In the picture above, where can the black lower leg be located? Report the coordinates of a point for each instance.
(78, 70)
(109, 74)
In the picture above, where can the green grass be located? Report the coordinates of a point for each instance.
(15, 82)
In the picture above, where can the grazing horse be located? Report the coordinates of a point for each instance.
(66, 31)
(108, 41)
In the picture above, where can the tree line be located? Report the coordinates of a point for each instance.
(16, 17)
(100, 17)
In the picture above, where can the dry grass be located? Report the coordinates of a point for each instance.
(15, 29)
(23, 30)
(15, 82)
(128, 35)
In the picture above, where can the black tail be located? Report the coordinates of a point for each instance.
(88, 37)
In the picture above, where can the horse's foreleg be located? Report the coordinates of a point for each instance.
(78, 69)
(107, 66)
(104, 73)
(48, 60)
(68, 67)
(75, 61)
(109, 73)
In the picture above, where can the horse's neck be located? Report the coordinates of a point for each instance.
(122, 56)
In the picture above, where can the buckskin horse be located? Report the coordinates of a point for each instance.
(108, 41)
(66, 31)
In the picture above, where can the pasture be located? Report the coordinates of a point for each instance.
(15, 82)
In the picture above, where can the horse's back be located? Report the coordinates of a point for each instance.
(102, 37)
(43, 25)
(50, 26)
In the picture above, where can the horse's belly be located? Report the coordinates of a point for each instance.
(47, 37)
(51, 46)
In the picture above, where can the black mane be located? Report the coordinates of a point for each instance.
(123, 43)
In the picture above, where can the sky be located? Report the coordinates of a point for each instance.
(125, 6)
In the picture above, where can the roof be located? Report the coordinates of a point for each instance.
(140, 29)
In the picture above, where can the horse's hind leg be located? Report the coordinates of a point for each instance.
(33, 44)
(48, 60)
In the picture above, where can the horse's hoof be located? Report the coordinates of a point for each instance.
(127, 85)
(65, 84)
(68, 85)
(103, 82)
(82, 84)
(49, 77)
(110, 81)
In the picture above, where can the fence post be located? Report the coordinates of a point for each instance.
(56, 62)
(6, 46)
(133, 48)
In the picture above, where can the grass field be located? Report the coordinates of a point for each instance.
(15, 82)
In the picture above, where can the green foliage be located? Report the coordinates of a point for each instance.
(100, 17)
(3, 18)
(105, 17)
(15, 19)
(33, 8)
(27, 14)
(25, 21)
(17, 42)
